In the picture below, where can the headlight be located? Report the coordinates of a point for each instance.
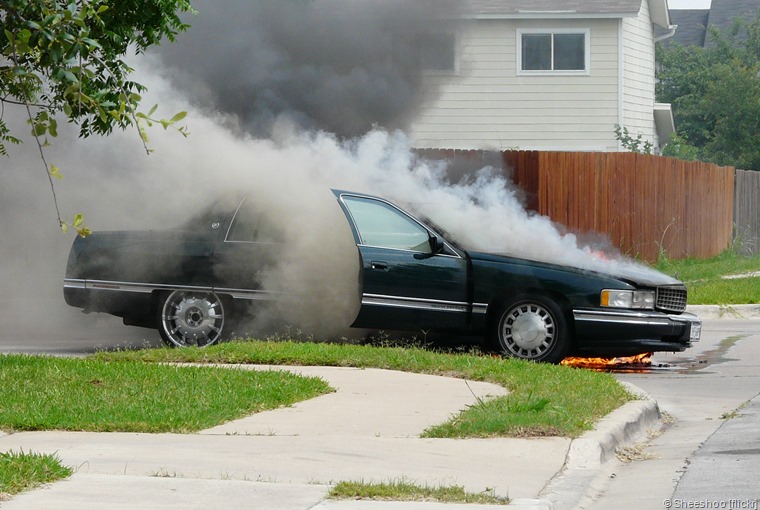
(638, 299)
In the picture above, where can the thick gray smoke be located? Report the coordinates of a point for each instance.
(341, 66)
(286, 99)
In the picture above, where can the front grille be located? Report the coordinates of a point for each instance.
(671, 299)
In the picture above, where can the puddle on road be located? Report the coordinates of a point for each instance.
(685, 365)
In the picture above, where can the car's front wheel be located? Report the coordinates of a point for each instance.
(191, 318)
(532, 328)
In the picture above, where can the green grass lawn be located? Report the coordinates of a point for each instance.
(47, 393)
(544, 399)
(705, 282)
(20, 471)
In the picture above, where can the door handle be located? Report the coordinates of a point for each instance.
(379, 266)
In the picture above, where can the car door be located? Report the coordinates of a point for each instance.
(248, 249)
(410, 278)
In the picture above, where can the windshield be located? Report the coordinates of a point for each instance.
(438, 230)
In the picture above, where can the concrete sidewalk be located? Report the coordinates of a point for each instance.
(288, 458)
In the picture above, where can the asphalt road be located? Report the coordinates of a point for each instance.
(48, 326)
(708, 453)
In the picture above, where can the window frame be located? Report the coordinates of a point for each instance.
(586, 32)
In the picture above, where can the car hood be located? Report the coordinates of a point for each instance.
(621, 269)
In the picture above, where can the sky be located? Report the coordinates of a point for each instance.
(689, 4)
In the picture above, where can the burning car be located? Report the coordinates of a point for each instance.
(191, 283)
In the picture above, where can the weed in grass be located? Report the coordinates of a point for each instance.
(742, 243)
(405, 490)
(21, 471)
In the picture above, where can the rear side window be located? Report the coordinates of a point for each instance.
(250, 226)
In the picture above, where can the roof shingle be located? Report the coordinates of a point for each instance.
(723, 12)
(691, 24)
(515, 7)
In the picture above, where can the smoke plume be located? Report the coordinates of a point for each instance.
(340, 66)
(286, 100)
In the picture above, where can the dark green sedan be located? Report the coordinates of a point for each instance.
(412, 278)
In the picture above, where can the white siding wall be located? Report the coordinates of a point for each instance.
(487, 105)
(638, 75)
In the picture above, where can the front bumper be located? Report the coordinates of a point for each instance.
(627, 332)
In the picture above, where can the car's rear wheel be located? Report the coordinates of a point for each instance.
(532, 328)
(191, 318)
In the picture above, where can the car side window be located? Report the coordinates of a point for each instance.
(380, 224)
(248, 226)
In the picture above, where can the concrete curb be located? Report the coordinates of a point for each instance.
(725, 311)
(589, 453)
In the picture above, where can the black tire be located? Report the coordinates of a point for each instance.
(190, 318)
(532, 328)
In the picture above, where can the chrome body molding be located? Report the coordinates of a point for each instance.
(633, 317)
(480, 308)
(147, 288)
(415, 303)
(636, 331)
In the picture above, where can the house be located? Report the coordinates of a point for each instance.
(547, 75)
(692, 23)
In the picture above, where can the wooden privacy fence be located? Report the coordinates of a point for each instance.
(645, 204)
(747, 212)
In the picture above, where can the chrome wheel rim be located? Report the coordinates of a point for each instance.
(528, 331)
(192, 319)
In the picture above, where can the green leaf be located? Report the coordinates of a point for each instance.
(52, 45)
(78, 220)
(178, 117)
(55, 172)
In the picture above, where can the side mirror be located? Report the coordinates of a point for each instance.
(436, 247)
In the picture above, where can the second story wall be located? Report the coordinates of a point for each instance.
(638, 75)
(488, 102)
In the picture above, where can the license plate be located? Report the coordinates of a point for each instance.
(696, 331)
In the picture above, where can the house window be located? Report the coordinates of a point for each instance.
(438, 52)
(553, 51)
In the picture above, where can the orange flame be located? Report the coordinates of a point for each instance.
(637, 361)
